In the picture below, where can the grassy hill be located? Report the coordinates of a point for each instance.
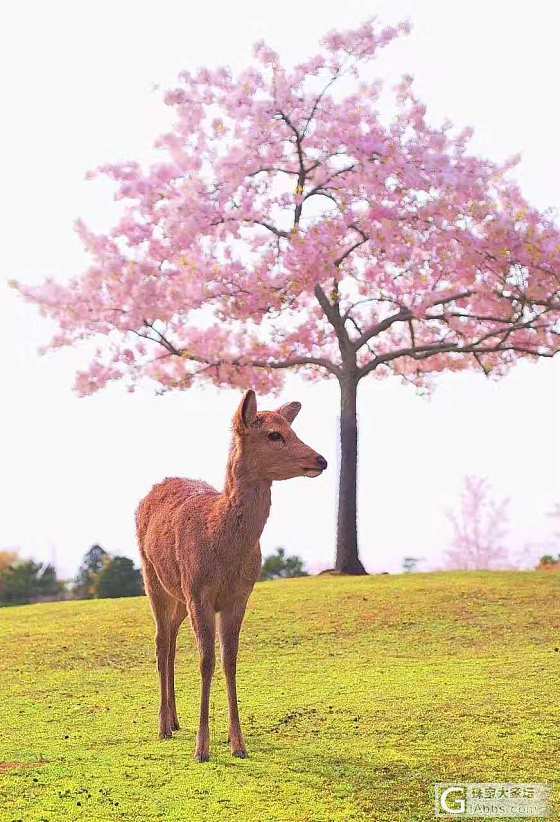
(357, 695)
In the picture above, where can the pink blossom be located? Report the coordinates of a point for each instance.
(287, 225)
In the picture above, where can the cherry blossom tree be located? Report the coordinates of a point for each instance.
(479, 529)
(291, 225)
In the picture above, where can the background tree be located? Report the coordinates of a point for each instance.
(26, 581)
(548, 562)
(8, 556)
(119, 578)
(280, 566)
(409, 564)
(479, 529)
(93, 563)
(291, 225)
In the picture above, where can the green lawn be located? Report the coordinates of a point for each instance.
(356, 696)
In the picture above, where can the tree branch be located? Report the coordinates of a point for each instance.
(239, 362)
(476, 348)
(320, 362)
(403, 315)
(277, 231)
(332, 313)
(302, 172)
(323, 183)
(339, 260)
(273, 169)
(318, 99)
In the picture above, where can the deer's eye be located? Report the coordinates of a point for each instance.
(276, 436)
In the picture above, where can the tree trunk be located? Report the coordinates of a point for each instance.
(347, 559)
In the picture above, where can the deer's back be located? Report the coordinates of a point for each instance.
(165, 501)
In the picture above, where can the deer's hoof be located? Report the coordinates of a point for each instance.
(202, 756)
(240, 753)
(166, 734)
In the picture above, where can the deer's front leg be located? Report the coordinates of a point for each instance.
(230, 626)
(203, 621)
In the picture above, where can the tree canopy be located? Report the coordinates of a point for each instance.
(119, 578)
(290, 224)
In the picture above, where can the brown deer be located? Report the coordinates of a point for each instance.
(201, 555)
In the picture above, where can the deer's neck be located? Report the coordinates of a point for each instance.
(246, 499)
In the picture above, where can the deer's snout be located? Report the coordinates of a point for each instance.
(315, 465)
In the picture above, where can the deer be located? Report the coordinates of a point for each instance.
(201, 555)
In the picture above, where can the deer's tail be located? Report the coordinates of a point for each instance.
(142, 517)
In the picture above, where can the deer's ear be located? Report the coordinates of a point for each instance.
(247, 411)
(289, 411)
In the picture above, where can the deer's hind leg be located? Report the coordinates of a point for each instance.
(167, 618)
(179, 614)
(203, 620)
(229, 627)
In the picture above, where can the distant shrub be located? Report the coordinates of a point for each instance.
(280, 566)
(549, 563)
(28, 581)
(119, 578)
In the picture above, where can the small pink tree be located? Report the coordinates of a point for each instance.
(479, 528)
(290, 226)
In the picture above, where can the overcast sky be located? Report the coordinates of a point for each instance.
(78, 90)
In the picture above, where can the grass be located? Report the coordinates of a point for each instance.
(357, 695)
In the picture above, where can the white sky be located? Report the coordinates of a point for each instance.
(77, 90)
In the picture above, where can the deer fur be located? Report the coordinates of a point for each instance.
(201, 554)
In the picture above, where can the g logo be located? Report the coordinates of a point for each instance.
(451, 800)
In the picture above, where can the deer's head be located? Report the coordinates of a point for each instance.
(271, 449)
